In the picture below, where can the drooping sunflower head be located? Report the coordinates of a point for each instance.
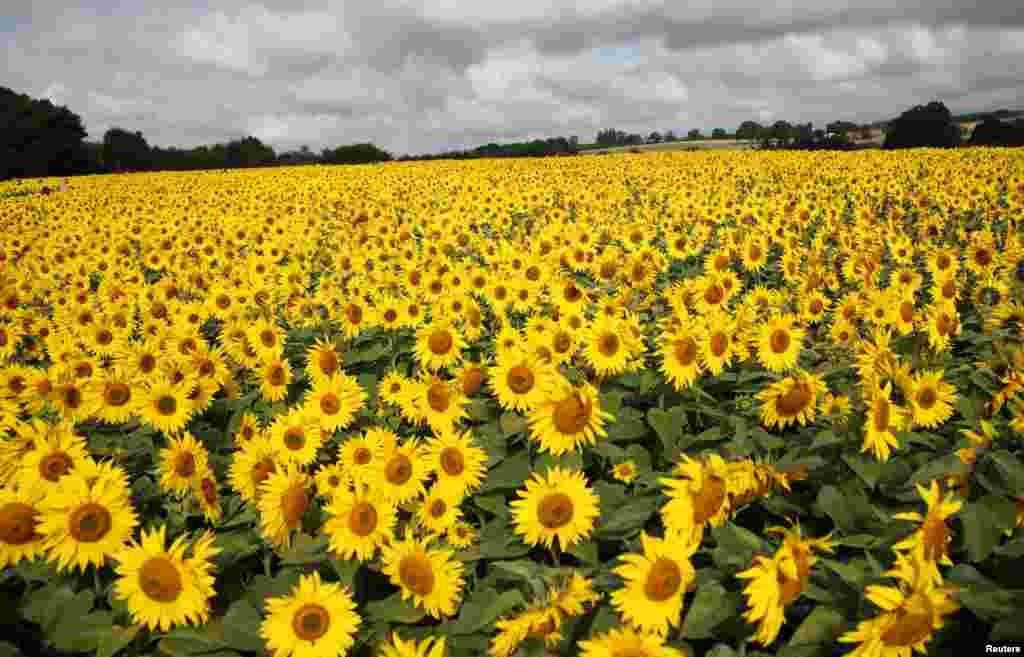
(432, 578)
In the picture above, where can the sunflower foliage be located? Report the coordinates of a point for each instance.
(635, 406)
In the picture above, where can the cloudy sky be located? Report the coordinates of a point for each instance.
(418, 77)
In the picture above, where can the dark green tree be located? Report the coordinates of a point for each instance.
(923, 126)
(749, 130)
(37, 138)
(126, 151)
(719, 133)
(355, 154)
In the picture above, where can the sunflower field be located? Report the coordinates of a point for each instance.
(675, 404)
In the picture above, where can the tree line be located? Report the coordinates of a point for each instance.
(40, 139)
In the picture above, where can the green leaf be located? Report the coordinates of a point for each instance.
(263, 587)
(981, 595)
(822, 625)
(242, 627)
(849, 572)
(629, 517)
(629, 425)
(305, 550)
(9, 650)
(1011, 469)
(483, 607)
(735, 546)
(80, 633)
(115, 639)
(939, 468)
(668, 425)
(510, 474)
(826, 438)
(869, 470)
(833, 504)
(512, 423)
(207, 640)
(395, 610)
(49, 605)
(983, 524)
(1011, 550)
(712, 606)
(346, 570)
(544, 462)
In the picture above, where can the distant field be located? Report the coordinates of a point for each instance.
(736, 144)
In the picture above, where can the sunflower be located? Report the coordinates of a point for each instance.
(570, 417)
(267, 338)
(20, 515)
(607, 347)
(538, 622)
(251, 466)
(56, 453)
(84, 523)
(334, 401)
(322, 360)
(315, 620)
(115, 388)
(432, 578)
(164, 405)
(626, 472)
(930, 542)
(160, 586)
(680, 355)
(461, 535)
(275, 375)
(655, 583)
(794, 399)
(360, 523)
(719, 346)
(358, 454)
(518, 379)
(911, 612)
(429, 647)
(248, 429)
(460, 465)
(180, 464)
(438, 512)
(626, 642)
(74, 400)
(296, 436)
(779, 342)
(283, 501)
(698, 497)
(399, 471)
(393, 388)
(776, 581)
(884, 419)
(439, 345)
(558, 505)
(330, 479)
(436, 401)
(931, 399)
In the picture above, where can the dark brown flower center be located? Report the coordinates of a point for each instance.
(555, 510)
(780, 341)
(54, 465)
(608, 345)
(310, 622)
(18, 524)
(664, 580)
(440, 342)
(452, 461)
(472, 380)
(362, 519)
(89, 522)
(685, 350)
(294, 504)
(295, 438)
(520, 380)
(438, 397)
(166, 405)
(362, 456)
(185, 465)
(276, 377)
(261, 471)
(160, 580)
(398, 470)
(416, 574)
(795, 401)
(572, 414)
(709, 499)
